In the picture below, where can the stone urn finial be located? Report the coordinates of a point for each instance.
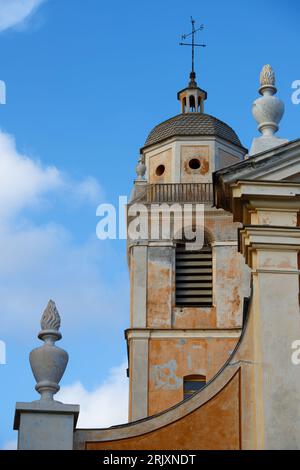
(140, 169)
(267, 76)
(268, 109)
(48, 362)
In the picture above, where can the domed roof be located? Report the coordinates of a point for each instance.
(192, 124)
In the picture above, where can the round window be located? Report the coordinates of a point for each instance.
(160, 170)
(194, 164)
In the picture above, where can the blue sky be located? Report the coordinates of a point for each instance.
(86, 81)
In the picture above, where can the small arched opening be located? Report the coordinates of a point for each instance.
(192, 103)
(193, 384)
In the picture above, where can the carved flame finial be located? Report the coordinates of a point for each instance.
(50, 319)
(49, 362)
(267, 76)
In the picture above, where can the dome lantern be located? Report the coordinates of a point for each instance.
(192, 98)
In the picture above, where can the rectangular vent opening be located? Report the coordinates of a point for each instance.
(193, 277)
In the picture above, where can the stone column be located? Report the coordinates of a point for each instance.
(47, 424)
(272, 255)
(270, 246)
(138, 347)
(138, 274)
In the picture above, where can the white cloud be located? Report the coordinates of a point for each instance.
(10, 445)
(88, 190)
(39, 262)
(15, 12)
(105, 406)
(24, 182)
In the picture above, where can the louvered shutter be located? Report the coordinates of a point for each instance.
(193, 276)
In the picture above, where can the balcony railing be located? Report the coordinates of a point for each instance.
(178, 192)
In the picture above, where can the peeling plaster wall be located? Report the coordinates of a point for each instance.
(220, 224)
(172, 359)
(138, 286)
(175, 153)
(214, 425)
(161, 158)
(160, 286)
(194, 317)
(153, 299)
(154, 308)
(231, 285)
(203, 174)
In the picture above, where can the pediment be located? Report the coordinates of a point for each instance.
(280, 164)
(277, 164)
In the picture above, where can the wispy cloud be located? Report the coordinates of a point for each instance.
(15, 12)
(42, 260)
(104, 406)
(46, 260)
(22, 180)
(25, 181)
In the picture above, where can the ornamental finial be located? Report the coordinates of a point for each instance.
(267, 110)
(140, 169)
(50, 319)
(267, 76)
(48, 363)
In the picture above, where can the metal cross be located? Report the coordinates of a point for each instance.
(192, 44)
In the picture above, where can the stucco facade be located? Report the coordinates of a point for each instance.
(166, 341)
(252, 402)
(243, 340)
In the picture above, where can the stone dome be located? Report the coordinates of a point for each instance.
(192, 124)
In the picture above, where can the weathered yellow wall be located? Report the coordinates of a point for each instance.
(194, 317)
(230, 286)
(162, 158)
(214, 425)
(201, 175)
(171, 359)
(160, 288)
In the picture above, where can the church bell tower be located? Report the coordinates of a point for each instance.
(186, 305)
